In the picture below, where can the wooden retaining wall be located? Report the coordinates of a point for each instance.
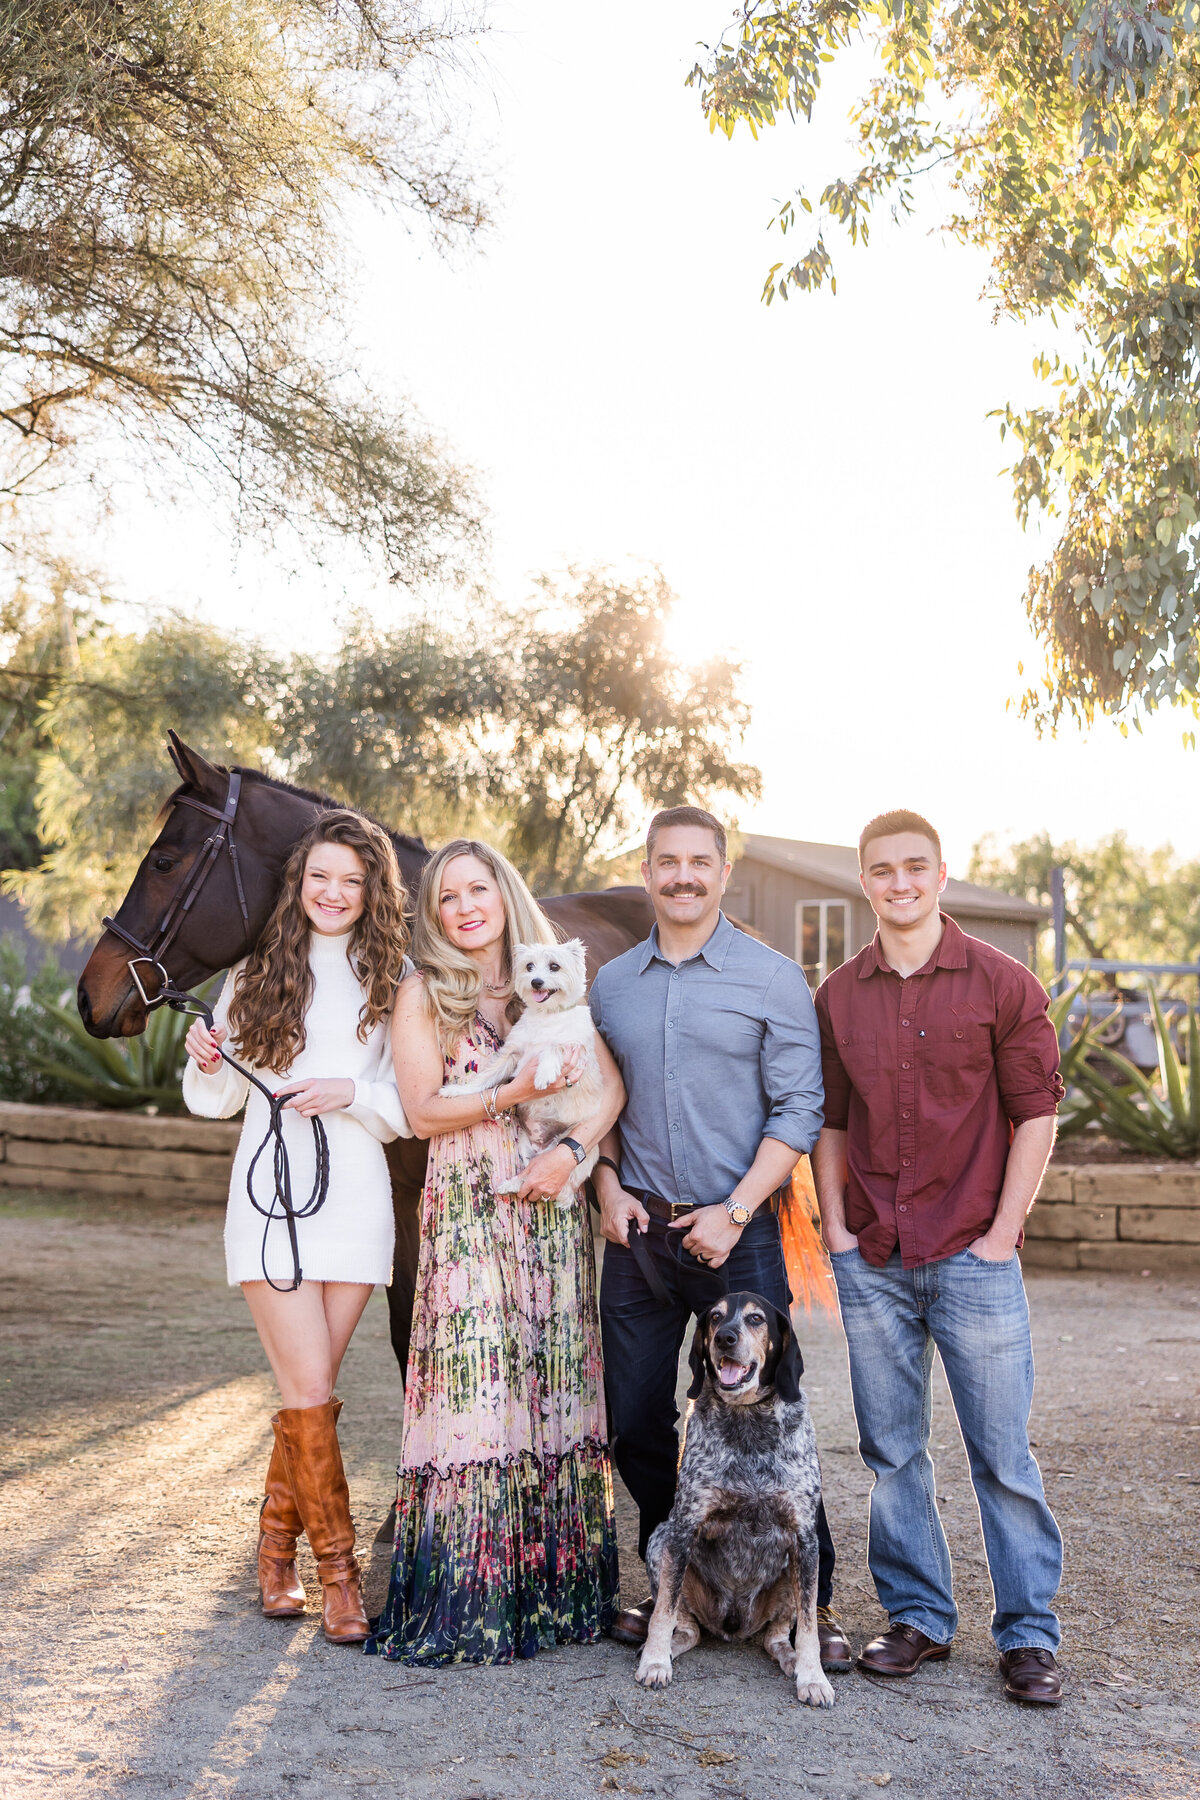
(60, 1147)
(1112, 1216)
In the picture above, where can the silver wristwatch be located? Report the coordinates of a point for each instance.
(741, 1215)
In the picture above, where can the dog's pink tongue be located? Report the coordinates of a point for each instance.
(731, 1373)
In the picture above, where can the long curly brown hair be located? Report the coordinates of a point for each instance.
(268, 1009)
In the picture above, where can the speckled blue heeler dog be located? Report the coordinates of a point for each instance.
(738, 1554)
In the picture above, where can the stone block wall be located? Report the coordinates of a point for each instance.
(1091, 1216)
(59, 1147)
(1128, 1217)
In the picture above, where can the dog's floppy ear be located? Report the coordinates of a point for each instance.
(698, 1361)
(790, 1366)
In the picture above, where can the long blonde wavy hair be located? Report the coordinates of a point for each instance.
(268, 1009)
(453, 984)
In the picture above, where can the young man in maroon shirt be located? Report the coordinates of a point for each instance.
(941, 1088)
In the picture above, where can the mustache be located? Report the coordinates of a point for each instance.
(681, 890)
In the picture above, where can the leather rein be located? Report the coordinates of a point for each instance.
(151, 955)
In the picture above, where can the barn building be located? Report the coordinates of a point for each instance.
(806, 901)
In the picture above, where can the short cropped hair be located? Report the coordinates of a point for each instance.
(888, 824)
(685, 815)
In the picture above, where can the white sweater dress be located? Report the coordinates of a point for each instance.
(351, 1237)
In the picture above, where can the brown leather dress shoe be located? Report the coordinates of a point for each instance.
(1031, 1675)
(631, 1626)
(900, 1650)
(836, 1654)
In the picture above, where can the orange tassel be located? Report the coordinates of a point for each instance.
(809, 1274)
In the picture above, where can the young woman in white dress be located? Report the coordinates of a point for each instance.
(309, 1011)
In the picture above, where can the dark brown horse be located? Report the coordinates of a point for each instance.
(230, 902)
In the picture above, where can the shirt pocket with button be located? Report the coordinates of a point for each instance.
(957, 1061)
(859, 1051)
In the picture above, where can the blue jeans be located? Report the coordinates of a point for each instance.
(642, 1340)
(976, 1314)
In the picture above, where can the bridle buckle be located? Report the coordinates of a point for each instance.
(152, 963)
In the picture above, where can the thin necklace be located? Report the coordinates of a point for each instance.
(502, 989)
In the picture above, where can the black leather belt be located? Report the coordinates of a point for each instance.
(667, 1211)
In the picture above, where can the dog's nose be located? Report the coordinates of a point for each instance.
(726, 1338)
(537, 983)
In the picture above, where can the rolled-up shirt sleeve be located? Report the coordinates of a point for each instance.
(1026, 1050)
(791, 1061)
(833, 1069)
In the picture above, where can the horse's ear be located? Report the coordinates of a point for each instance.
(194, 769)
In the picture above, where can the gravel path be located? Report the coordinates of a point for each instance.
(133, 1662)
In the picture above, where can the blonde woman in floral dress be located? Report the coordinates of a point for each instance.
(504, 1511)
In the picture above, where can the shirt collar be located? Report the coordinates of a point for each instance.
(714, 951)
(951, 953)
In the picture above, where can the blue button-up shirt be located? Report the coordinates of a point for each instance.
(716, 1054)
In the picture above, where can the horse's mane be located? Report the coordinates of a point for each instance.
(402, 839)
(327, 801)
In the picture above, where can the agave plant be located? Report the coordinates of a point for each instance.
(140, 1071)
(1157, 1114)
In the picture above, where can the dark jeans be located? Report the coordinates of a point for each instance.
(642, 1341)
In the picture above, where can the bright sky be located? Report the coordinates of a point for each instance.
(819, 481)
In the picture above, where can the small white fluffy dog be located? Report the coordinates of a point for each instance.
(551, 980)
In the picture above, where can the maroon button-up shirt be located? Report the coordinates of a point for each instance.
(928, 1075)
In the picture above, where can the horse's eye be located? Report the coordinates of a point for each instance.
(164, 863)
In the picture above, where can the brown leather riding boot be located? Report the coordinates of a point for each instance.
(279, 1525)
(313, 1456)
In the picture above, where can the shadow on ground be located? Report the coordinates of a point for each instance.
(133, 1662)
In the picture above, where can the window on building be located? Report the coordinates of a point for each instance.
(822, 935)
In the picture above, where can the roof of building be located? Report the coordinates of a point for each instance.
(836, 866)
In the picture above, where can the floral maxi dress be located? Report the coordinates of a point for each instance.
(505, 1540)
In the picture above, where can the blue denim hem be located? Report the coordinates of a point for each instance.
(924, 1628)
(1026, 1644)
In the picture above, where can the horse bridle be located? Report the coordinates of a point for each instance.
(151, 955)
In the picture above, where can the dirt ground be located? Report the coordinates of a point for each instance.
(133, 1661)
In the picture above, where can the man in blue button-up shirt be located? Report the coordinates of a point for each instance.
(717, 1042)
